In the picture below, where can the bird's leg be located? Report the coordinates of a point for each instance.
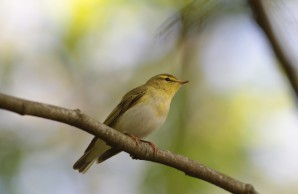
(138, 140)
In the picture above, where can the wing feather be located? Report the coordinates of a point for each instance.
(129, 100)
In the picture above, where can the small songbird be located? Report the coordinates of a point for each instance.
(140, 111)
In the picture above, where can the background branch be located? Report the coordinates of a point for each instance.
(120, 141)
(288, 64)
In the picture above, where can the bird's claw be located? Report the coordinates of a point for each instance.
(138, 140)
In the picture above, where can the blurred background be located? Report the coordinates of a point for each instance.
(237, 115)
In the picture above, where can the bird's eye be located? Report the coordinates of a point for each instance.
(168, 79)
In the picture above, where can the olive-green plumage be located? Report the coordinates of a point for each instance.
(141, 110)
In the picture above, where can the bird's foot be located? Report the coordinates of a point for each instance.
(154, 148)
(138, 140)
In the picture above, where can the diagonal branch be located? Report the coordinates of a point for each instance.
(120, 141)
(287, 62)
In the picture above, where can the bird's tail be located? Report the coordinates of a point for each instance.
(93, 151)
(85, 162)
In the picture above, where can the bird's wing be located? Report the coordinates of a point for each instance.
(129, 100)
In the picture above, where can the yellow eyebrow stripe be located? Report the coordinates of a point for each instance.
(163, 76)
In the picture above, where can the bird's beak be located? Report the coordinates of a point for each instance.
(183, 82)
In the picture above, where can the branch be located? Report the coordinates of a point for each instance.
(288, 64)
(120, 141)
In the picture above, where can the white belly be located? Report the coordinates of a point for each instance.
(140, 121)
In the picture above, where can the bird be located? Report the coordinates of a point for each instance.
(141, 111)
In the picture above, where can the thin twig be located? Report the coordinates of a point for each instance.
(120, 141)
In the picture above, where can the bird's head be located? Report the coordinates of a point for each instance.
(166, 82)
